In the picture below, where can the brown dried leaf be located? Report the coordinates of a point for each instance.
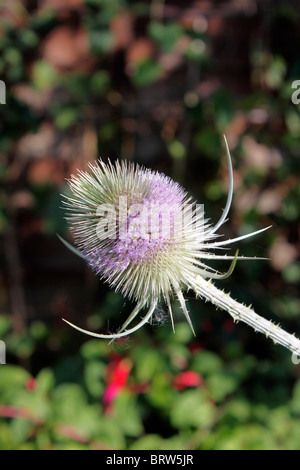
(122, 29)
(68, 50)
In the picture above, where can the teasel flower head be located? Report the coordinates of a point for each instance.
(143, 235)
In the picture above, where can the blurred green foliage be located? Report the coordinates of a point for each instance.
(240, 402)
(158, 83)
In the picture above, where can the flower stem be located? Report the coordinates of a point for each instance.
(240, 312)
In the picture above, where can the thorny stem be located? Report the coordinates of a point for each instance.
(239, 312)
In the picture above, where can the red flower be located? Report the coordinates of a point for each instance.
(187, 379)
(118, 372)
(31, 384)
(9, 411)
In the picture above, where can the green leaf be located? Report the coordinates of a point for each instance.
(197, 50)
(45, 380)
(238, 410)
(292, 273)
(44, 75)
(94, 350)
(165, 35)
(12, 376)
(146, 72)
(192, 409)
(5, 325)
(206, 363)
(100, 82)
(7, 439)
(66, 117)
(208, 141)
(177, 149)
(148, 363)
(70, 405)
(38, 330)
(222, 383)
(160, 393)
(93, 377)
(276, 72)
(128, 414)
(109, 433)
(295, 402)
(101, 41)
(148, 442)
(22, 430)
